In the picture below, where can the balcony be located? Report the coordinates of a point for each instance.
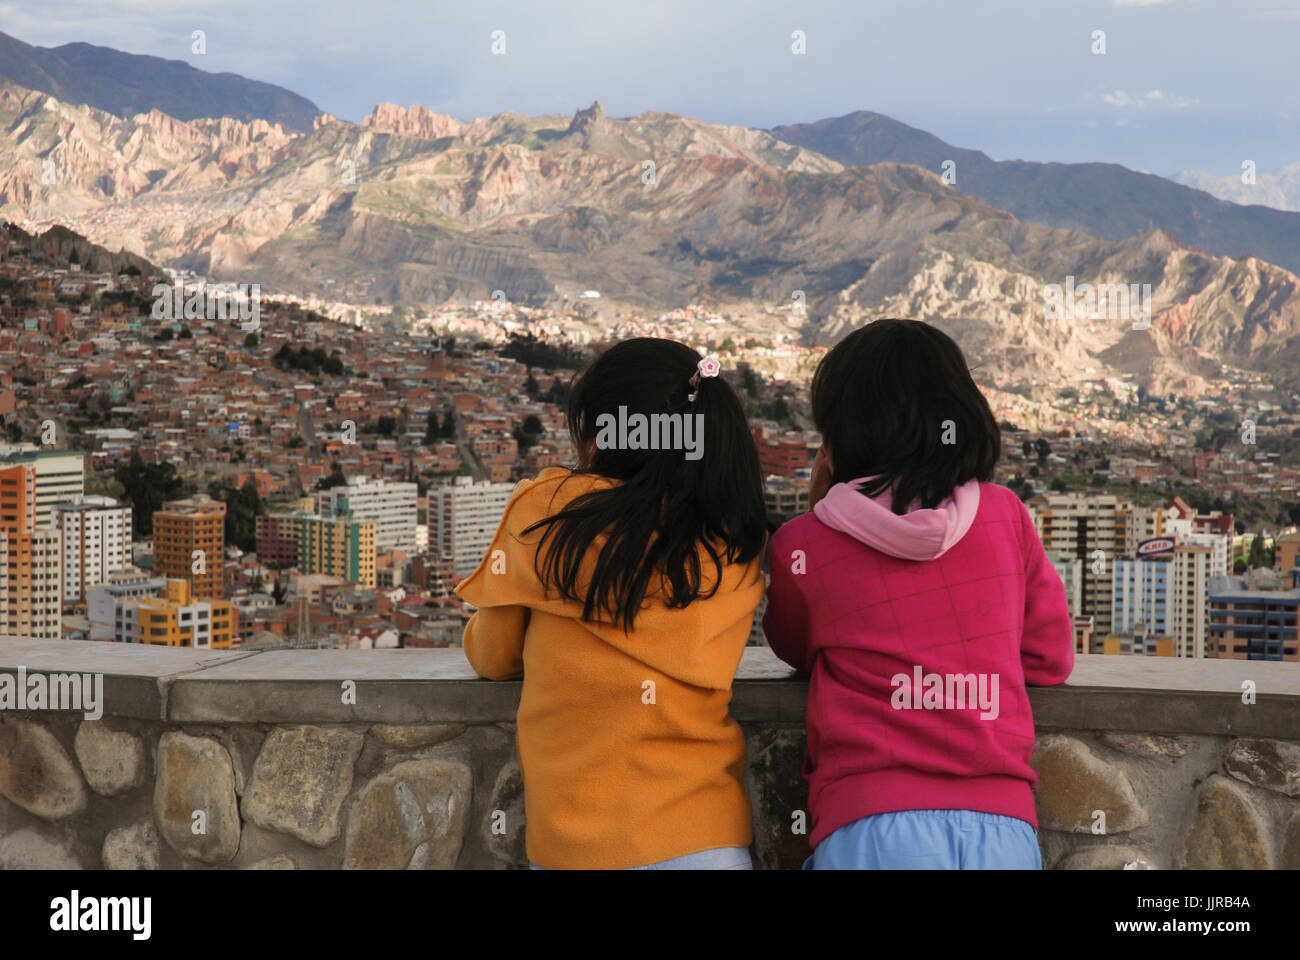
(402, 758)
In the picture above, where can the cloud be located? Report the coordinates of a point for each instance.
(1153, 98)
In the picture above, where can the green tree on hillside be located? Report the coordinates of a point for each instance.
(147, 486)
(242, 509)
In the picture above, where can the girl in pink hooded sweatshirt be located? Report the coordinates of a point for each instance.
(918, 598)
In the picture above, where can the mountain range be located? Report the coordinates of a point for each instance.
(1104, 199)
(126, 84)
(1278, 188)
(657, 209)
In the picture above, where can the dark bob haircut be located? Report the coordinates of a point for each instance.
(894, 401)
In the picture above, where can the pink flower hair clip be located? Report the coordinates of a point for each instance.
(707, 367)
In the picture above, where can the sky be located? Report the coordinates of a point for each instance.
(1182, 84)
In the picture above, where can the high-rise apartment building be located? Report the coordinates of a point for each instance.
(96, 542)
(1162, 595)
(463, 517)
(391, 505)
(277, 540)
(1092, 528)
(189, 544)
(31, 569)
(1254, 617)
(60, 475)
(339, 546)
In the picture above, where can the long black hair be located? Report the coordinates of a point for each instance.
(663, 506)
(895, 400)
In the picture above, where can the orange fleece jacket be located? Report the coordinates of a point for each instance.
(617, 773)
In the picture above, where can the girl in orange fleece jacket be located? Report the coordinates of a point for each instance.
(623, 592)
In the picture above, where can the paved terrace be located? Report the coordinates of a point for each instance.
(404, 759)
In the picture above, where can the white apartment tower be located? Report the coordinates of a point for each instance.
(463, 518)
(391, 505)
(96, 542)
(1094, 529)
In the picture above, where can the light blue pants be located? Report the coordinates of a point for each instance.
(930, 840)
(721, 858)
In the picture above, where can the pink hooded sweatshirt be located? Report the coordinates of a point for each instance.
(920, 633)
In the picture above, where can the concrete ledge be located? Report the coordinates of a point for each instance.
(437, 685)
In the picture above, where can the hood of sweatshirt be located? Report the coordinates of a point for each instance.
(919, 534)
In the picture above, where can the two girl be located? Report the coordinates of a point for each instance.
(623, 592)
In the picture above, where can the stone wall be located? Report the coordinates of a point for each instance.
(401, 759)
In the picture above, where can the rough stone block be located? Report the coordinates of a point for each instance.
(29, 849)
(113, 761)
(134, 847)
(1227, 832)
(1271, 764)
(195, 774)
(412, 817)
(1108, 857)
(1073, 784)
(503, 830)
(1148, 745)
(36, 772)
(424, 735)
(300, 780)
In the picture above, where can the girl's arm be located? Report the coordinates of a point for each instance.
(786, 621)
(1047, 642)
(494, 641)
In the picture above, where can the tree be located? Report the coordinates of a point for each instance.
(1027, 449)
(449, 425)
(528, 433)
(432, 429)
(558, 392)
(1255, 558)
(531, 386)
(1043, 449)
(279, 591)
(251, 341)
(165, 334)
(1058, 485)
(335, 479)
(147, 486)
(242, 509)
